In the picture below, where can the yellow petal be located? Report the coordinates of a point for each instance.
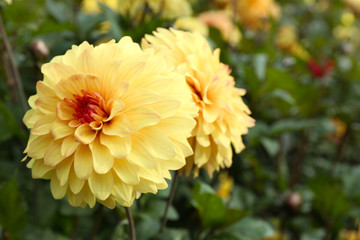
(101, 185)
(63, 170)
(139, 96)
(116, 105)
(119, 125)
(47, 105)
(142, 117)
(140, 153)
(102, 158)
(83, 162)
(54, 72)
(177, 124)
(118, 146)
(165, 108)
(42, 126)
(63, 111)
(53, 154)
(37, 147)
(68, 146)
(117, 89)
(127, 172)
(210, 113)
(31, 117)
(75, 183)
(57, 190)
(39, 169)
(158, 142)
(60, 129)
(85, 134)
(123, 193)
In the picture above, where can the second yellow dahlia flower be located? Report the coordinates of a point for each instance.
(223, 116)
(108, 123)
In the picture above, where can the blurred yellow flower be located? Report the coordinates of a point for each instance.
(226, 184)
(108, 123)
(92, 6)
(350, 234)
(146, 9)
(256, 14)
(354, 5)
(277, 236)
(191, 24)
(340, 129)
(287, 40)
(223, 22)
(223, 116)
(347, 19)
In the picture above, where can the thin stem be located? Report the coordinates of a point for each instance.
(131, 224)
(13, 65)
(170, 200)
(298, 160)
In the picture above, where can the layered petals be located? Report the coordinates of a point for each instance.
(223, 116)
(99, 123)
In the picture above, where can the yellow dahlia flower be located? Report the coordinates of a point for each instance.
(168, 9)
(191, 24)
(223, 22)
(108, 123)
(223, 116)
(92, 6)
(255, 14)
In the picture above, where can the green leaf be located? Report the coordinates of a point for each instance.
(260, 61)
(58, 10)
(173, 234)
(290, 125)
(9, 125)
(329, 199)
(246, 229)
(113, 18)
(209, 205)
(272, 146)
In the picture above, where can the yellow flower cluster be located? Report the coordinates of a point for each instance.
(223, 116)
(108, 123)
(136, 9)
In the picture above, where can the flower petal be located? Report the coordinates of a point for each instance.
(57, 190)
(85, 134)
(101, 185)
(63, 170)
(37, 146)
(158, 142)
(53, 154)
(119, 125)
(39, 169)
(63, 111)
(75, 183)
(128, 173)
(140, 153)
(118, 146)
(60, 129)
(140, 117)
(102, 158)
(83, 162)
(42, 126)
(68, 146)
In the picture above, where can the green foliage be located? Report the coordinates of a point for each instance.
(306, 139)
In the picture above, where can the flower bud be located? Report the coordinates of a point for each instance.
(294, 201)
(40, 49)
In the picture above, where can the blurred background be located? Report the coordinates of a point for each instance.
(298, 177)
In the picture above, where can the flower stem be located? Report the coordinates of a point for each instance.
(170, 200)
(13, 65)
(131, 224)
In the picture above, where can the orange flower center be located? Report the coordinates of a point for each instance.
(89, 107)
